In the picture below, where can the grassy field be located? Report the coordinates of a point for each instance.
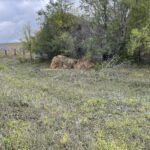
(42, 109)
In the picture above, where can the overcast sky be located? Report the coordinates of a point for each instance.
(14, 14)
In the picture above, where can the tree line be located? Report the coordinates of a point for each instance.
(104, 28)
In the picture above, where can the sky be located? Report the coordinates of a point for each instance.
(14, 14)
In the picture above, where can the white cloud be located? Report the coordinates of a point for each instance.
(14, 14)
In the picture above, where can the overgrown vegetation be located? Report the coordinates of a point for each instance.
(71, 109)
(104, 28)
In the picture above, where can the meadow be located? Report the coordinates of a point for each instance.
(44, 109)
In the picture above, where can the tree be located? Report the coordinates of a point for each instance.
(139, 28)
(106, 27)
(139, 43)
(27, 39)
(57, 32)
(139, 13)
(109, 18)
(114, 20)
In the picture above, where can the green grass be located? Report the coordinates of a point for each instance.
(43, 109)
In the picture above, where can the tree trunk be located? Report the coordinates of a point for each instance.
(139, 56)
(105, 17)
(31, 58)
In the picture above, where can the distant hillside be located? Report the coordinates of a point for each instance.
(10, 46)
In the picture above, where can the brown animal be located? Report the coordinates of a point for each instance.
(63, 62)
(57, 62)
(84, 64)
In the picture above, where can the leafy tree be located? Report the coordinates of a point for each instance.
(55, 36)
(27, 39)
(114, 21)
(139, 13)
(139, 43)
(138, 28)
(106, 27)
(109, 19)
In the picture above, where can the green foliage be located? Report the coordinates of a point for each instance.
(117, 20)
(139, 42)
(65, 43)
(106, 27)
(91, 47)
(55, 36)
(139, 13)
(27, 40)
(109, 23)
